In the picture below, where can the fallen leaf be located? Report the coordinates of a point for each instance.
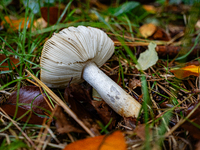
(186, 71)
(147, 58)
(39, 24)
(15, 23)
(97, 108)
(4, 66)
(65, 124)
(160, 34)
(53, 13)
(74, 95)
(147, 30)
(197, 146)
(130, 122)
(150, 8)
(30, 99)
(134, 83)
(194, 62)
(105, 113)
(113, 141)
(141, 131)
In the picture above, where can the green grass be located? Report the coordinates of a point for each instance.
(26, 45)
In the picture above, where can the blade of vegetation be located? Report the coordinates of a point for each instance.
(62, 104)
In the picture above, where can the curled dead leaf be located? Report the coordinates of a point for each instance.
(186, 71)
(147, 30)
(30, 99)
(65, 124)
(76, 95)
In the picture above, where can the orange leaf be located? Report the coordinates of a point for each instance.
(5, 66)
(147, 30)
(114, 141)
(15, 23)
(186, 71)
(150, 8)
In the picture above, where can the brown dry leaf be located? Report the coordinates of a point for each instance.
(99, 108)
(197, 146)
(105, 113)
(5, 65)
(140, 131)
(160, 34)
(130, 122)
(15, 23)
(194, 118)
(186, 71)
(64, 124)
(53, 12)
(134, 83)
(75, 95)
(30, 98)
(147, 30)
(113, 141)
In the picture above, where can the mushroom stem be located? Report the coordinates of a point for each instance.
(120, 101)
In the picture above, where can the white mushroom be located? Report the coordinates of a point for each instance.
(78, 53)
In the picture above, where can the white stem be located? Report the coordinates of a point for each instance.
(119, 100)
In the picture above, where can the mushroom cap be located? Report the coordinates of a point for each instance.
(66, 53)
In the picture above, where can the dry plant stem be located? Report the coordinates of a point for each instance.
(164, 121)
(62, 104)
(41, 93)
(6, 136)
(46, 130)
(24, 134)
(181, 120)
(120, 101)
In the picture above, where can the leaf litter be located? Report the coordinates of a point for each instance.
(174, 93)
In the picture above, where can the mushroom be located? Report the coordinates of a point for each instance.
(78, 53)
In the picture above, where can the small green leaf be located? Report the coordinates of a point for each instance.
(147, 58)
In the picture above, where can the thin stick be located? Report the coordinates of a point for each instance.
(62, 104)
(41, 93)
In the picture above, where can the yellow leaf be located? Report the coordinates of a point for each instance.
(147, 30)
(15, 23)
(150, 8)
(186, 71)
(114, 141)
